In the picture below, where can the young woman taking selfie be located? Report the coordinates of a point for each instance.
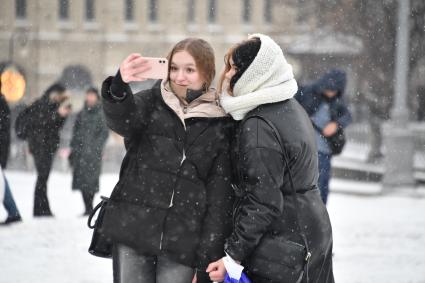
(169, 214)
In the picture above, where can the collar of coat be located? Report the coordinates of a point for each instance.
(206, 105)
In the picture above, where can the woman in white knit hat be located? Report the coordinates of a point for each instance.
(281, 229)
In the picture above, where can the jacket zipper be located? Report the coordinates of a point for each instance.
(172, 198)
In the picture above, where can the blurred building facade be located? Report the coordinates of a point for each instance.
(83, 41)
(80, 42)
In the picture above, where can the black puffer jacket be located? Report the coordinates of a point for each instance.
(44, 127)
(174, 195)
(261, 207)
(4, 131)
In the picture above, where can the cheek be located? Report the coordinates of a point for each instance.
(172, 76)
(230, 74)
(195, 80)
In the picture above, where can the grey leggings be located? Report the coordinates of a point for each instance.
(131, 267)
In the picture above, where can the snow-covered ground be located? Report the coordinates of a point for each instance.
(376, 238)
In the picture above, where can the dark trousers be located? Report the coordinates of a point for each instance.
(324, 175)
(131, 267)
(88, 201)
(43, 164)
(9, 202)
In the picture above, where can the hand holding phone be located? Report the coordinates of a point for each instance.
(138, 68)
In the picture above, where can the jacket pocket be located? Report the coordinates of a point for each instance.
(138, 227)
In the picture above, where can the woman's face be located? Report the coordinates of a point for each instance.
(229, 75)
(184, 73)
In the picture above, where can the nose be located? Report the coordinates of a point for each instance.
(180, 76)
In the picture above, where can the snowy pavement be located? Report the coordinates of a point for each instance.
(376, 238)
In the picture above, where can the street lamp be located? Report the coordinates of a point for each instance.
(399, 142)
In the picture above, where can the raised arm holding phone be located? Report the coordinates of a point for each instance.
(170, 212)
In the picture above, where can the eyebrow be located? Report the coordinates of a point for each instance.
(187, 65)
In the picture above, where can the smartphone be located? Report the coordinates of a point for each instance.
(158, 70)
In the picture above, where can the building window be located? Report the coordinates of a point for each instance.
(64, 10)
(90, 10)
(21, 9)
(212, 11)
(129, 10)
(246, 11)
(153, 11)
(268, 18)
(191, 11)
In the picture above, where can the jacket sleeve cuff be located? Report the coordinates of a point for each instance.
(235, 251)
(110, 96)
(118, 89)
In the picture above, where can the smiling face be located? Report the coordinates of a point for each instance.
(184, 74)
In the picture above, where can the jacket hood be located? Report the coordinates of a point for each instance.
(335, 80)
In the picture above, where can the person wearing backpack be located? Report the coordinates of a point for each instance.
(329, 114)
(13, 214)
(40, 124)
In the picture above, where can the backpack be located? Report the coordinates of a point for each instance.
(22, 124)
(337, 141)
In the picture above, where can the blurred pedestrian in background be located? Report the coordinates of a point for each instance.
(89, 136)
(377, 114)
(13, 214)
(40, 124)
(324, 103)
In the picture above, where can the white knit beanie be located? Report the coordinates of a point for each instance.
(268, 79)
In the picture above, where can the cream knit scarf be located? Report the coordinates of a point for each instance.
(268, 79)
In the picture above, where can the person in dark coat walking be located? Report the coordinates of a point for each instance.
(88, 140)
(4, 130)
(43, 121)
(170, 212)
(13, 214)
(258, 86)
(323, 101)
